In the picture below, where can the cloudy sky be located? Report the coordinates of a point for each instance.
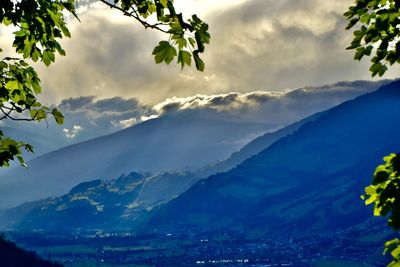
(263, 59)
(257, 45)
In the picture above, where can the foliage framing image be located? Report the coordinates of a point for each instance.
(384, 193)
(377, 35)
(41, 24)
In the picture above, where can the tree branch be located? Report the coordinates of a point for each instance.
(8, 116)
(136, 16)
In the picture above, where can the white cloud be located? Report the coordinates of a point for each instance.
(73, 132)
(124, 123)
(146, 118)
(268, 107)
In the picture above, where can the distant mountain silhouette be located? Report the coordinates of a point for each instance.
(309, 180)
(13, 256)
(178, 142)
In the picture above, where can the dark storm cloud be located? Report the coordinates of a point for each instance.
(114, 104)
(76, 103)
(86, 114)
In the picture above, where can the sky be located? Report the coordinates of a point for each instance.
(256, 45)
(268, 61)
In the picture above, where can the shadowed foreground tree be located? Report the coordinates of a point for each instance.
(39, 27)
(11, 255)
(377, 35)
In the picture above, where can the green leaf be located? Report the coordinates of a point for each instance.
(58, 116)
(185, 58)
(164, 52)
(199, 63)
(360, 53)
(36, 55)
(376, 68)
(38, 114)
(21, 33)
(3, 65)
(48, 57)
(192, 41)
(12, 85)
(164, 3)
(395, 253)
(22, 161)
(371, 200)
(36, 88)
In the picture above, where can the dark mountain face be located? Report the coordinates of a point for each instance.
(254, 147)
(179, 142)
(311, 179)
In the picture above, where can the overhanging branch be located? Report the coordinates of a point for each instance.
(134, 14)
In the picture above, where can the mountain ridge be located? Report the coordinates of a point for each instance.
(280, 184)
(154, 189)
(145, 148)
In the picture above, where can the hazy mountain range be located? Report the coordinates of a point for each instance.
(116, 203)
(311, 177)
(179, 142)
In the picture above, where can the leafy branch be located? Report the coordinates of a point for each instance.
(377, 32)
(187, 39)
(384, 193)
(42, 24)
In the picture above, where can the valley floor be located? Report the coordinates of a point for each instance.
(342, 248)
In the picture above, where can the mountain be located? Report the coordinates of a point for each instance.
(88, 117)
(309, 180)
(214, 131)
(108, 205)
(90, 205)
(311, 163)
(127, 200)
(253, 148)
(179, 142)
